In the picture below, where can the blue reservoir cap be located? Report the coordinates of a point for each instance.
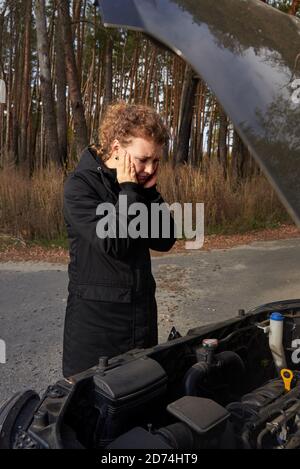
(277, 316)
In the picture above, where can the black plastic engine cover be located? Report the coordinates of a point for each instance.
(129, 396)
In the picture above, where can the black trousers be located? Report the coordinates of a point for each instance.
(98, 328)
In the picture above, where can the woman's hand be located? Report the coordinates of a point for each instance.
(125, 169)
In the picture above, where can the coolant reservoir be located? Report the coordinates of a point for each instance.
(276, 340)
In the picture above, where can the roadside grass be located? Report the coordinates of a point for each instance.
(31, 208)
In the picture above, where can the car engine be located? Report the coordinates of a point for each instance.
(234, 385)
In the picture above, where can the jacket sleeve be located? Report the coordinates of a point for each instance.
(80, 212)
(160, 243)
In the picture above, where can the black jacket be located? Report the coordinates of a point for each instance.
(111, 305)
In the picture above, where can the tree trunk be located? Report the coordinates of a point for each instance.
(26, 83)
(46, 83)
(61, 82)
(187, 109)
(76, 31)
(134, 68)
(80, 128)
(235, 158)
(150, 77)
(200, 124)
(222, 145)
(240, 157)
(9, 99)
(108, 72)
(211, 128)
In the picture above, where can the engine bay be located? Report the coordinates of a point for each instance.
(232, 385)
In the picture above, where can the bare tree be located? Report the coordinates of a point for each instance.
(222, 146)
(46, 82)
(61, 83)
(108, 72)
(26, 82)
(186, 115)
(80, 127)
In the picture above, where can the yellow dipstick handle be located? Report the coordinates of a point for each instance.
(287, 376)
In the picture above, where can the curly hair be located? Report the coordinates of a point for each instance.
(125, 121)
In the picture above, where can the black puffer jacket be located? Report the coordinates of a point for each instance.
(111, 305)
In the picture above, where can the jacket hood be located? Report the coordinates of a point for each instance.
(91, 162)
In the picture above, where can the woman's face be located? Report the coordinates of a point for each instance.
(145, 155)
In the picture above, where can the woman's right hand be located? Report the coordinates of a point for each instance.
(125, 169)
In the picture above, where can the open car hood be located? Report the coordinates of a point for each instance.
(249, 55)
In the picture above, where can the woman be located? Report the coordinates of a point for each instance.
(111, 304)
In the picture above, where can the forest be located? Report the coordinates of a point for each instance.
(61, 68)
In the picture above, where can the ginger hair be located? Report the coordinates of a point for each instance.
(125, 121)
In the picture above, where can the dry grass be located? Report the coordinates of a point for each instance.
(32, 208)
(230, 206)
